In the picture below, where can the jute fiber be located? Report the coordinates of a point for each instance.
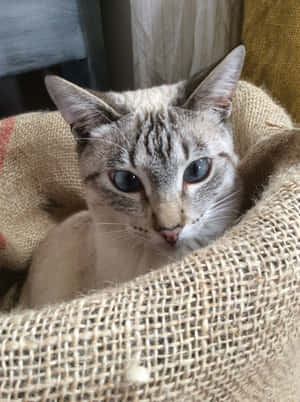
(271, 34)
(220, 325)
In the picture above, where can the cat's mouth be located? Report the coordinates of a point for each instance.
(184, 238)
(171, 241)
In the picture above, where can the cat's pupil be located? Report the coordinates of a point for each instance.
(126, 181)
(197, 170)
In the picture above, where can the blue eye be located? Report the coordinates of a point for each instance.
(126, 181)
(197, 171)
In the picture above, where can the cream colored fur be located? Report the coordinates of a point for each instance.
(86, 261)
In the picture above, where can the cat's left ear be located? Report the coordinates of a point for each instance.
(79, 107)
(217, 89)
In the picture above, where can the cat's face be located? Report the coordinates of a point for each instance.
(167, 175)
(161, 172)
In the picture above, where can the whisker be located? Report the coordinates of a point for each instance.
(110, 223)
(105, 141)
(114, 231)
(222, 217)
(224, 208)
(116, 236)
(227, 204)
(219, 220)
(138, 235)
(227, 197)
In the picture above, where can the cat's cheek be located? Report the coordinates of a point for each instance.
(188, 233)
(229, 180)
(194, 202)
(188, 196)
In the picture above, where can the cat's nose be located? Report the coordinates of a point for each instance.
(171, 234)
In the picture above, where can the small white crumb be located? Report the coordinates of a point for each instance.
(137, 374)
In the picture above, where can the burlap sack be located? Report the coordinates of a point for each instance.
(221, 325)
(39, 182)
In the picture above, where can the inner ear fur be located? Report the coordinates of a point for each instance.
(79, 106)
(214, 88)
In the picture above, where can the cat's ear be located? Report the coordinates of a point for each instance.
(217, 89)
(79, 107)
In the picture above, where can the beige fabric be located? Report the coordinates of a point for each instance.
(39, 183)
(221, 325)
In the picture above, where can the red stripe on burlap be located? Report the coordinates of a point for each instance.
(6, 128)
(2, 241)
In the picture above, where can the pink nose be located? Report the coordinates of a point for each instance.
(171, 235)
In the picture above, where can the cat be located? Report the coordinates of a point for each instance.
(160, 176)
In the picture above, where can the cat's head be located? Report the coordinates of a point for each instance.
(158, 163)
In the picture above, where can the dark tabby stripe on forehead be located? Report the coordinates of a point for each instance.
(186, 150)
(154, 134)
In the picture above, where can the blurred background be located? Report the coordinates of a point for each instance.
(108, 44)
(127, 44)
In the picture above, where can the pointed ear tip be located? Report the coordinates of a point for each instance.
(50, 80)
(240, 50)
(237, 55)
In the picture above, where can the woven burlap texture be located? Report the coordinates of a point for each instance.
(221, 325)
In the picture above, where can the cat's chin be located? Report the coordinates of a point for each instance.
(175, 251)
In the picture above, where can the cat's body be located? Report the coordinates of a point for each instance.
(74, 268)
(160, 175)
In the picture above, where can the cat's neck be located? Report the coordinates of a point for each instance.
(118, 259)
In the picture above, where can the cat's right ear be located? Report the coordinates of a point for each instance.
(217, 89)
(79, 107)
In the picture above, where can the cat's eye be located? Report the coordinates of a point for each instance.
(125, 181)
(197, 170)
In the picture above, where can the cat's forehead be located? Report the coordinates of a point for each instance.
(157, 138)
(148, 99)
(160, 139)
(157, 129)
(157, 144)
